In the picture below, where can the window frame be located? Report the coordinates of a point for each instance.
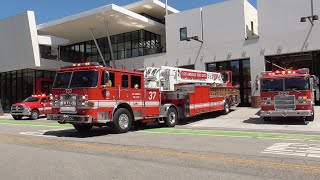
(181, 33)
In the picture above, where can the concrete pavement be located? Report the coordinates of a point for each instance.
(63, 153)
(248, 119)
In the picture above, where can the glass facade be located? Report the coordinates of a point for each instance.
(15, 86)
(46, 53)
(240, 76)
(126, 45)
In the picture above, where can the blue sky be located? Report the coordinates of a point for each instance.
(48, 10)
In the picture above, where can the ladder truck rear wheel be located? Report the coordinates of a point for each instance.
(226, 109)
(172, 118)
(122, 121)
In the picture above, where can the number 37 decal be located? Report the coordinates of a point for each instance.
(152, 95)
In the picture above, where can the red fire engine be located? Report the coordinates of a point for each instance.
(88, 94)
(32, 107)
(287, 93)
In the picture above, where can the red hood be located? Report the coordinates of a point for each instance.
(24, 103)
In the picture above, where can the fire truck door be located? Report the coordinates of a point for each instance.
(45, 106)
(124, 89)
(152, 102)
(136, 95)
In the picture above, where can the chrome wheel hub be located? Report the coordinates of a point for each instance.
(172, 117)
(123, 121)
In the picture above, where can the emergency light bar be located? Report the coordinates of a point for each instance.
(38, 95)
(286, 72)
(83, 64)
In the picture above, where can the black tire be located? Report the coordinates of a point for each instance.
(82, 127)
(122, 121)
(34, 115)
(226, 109)
(17, 117)
(310, 118)
(267, 119)
(172, 118)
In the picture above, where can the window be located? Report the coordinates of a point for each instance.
(125, 81)
(136, 82)
(110, 82)
(252, 29)
(183, 34)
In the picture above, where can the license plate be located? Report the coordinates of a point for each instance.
(67, 118)
(68, 103)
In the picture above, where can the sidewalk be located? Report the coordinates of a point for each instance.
(6, 116)
(247, 119)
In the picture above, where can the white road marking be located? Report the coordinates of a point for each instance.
(294, 149)
(40, 133)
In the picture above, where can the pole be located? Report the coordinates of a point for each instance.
(312, 13)
(109, 41)
(97, 45)
(166, 7)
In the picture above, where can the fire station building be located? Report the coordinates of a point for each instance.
(231, 35)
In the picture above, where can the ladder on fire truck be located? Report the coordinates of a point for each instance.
(165, 78)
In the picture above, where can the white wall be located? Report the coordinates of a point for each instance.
(19, 47)
(281, 30)
(224, 37)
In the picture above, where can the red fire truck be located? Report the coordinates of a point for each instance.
(32, 107)
(88, 94)
(287, 93)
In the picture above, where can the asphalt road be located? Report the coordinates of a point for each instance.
(32, 150)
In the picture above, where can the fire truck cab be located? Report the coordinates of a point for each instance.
(88, 94)
(32, 107)
(287, 93)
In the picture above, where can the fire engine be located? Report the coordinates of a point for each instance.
(88, 95)
(32, 107)
(287, 93)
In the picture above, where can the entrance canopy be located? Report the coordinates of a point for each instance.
(76, 28)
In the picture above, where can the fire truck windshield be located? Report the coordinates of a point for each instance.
(62, 80)
(84, 79)
(79, 79)
(285, 84)
(31, 99)
(297, 84)
(271, 85)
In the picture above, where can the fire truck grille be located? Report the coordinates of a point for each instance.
(284, 103)
(68, 103)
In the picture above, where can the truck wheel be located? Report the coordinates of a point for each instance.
(82, 127)
(267, 119)
(226, 109)
(122, 121)
(172, 118)
(34, 115)
(17, 117)
(310, 118)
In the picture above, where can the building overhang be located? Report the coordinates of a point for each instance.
(76, 28)
(153, 8)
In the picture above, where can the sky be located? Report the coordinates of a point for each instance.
(48, 10)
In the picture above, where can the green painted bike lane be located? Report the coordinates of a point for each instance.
(243, 134)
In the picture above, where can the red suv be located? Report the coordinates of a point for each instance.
(32, 107)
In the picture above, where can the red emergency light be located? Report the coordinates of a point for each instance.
(83, 64)
(286, 72)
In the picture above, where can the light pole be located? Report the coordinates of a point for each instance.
(311, 18)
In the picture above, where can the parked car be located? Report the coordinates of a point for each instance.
(32, 107)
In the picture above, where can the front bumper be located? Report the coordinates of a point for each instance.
(67, 118)
(286, 113)
(20, 113)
